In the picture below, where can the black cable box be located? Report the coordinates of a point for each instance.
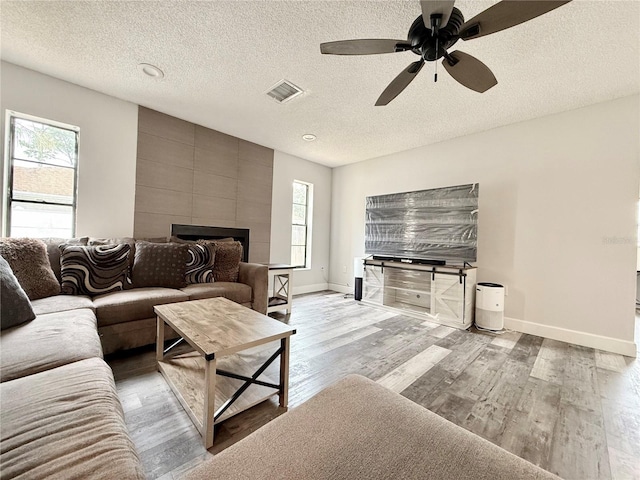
(419, 261)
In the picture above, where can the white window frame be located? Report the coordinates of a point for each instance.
(9, 158)
(308, 224)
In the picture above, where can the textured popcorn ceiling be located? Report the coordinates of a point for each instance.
(220, 57)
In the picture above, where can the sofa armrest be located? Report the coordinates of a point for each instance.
(256, 276)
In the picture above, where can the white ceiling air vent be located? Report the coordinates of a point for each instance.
(283, 91)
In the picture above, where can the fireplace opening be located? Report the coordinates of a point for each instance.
(204, 232)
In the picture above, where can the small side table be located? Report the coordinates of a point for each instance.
(282, 289)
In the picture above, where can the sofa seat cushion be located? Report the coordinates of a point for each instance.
(61, 303)
(47, 342)
(135, 304)
(236, 292)
(66, 423)
(359, 429)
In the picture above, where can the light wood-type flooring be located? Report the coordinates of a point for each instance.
(572, 410)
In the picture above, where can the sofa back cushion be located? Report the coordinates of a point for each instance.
(160, 265)
(93, 270)
(15, 307)
(30, 264)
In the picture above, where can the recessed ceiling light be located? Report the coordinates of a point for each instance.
(309, 137)
(150, 70)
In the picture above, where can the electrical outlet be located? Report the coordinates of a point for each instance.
(344, 269)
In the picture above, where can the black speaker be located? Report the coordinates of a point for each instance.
(357, 292)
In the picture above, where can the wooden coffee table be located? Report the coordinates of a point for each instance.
(224, 368)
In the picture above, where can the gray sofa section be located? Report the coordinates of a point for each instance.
(61, 417)
(66, 422)
(359, 429)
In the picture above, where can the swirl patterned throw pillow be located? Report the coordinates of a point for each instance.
(200, 263)
(94, 270)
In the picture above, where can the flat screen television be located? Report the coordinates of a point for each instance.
(439, 224)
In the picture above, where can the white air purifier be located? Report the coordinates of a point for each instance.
(489, 306)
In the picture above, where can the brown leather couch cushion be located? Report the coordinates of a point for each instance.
(135, 304)
(236, 292)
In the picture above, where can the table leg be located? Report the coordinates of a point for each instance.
(160, 339)
(209, 402)
(283, 393)
(289, 291)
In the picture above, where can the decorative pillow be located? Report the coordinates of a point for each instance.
(160, 265)
(53, 250)
(28, 260)
(201, 262)
(227, 261)
(15, 307)
(93, 270)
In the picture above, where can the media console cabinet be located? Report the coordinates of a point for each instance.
(443, 294)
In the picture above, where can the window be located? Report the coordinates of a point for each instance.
(301, 225)
(40, 178)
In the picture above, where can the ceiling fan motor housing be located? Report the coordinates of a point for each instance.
(423, 42)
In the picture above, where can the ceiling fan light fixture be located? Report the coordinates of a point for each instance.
(435, 31)
(151, 70)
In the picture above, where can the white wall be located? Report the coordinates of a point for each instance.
(557, 219)
(286, 169)
(108, 143)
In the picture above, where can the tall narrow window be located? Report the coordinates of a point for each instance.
(41, 178)
(301, 225)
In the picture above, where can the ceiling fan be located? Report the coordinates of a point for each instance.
(439, 27)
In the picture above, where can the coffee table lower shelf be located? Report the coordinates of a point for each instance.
(185, 374)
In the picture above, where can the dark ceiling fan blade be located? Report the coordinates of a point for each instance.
(436, 7)
(506, 14)
(362, 46)
(400, 83)
(469, 71)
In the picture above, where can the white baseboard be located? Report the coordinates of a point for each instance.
(318, 287)
(340, 288)
(600, 342)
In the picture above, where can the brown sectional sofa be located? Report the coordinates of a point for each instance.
(126, 318)
(60, 414)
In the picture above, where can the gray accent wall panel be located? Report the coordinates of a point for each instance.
(193, 175)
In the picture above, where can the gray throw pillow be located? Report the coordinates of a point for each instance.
(15, 307)
(94, 270)
(29, 262)
(200, 263)
(160, 265)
